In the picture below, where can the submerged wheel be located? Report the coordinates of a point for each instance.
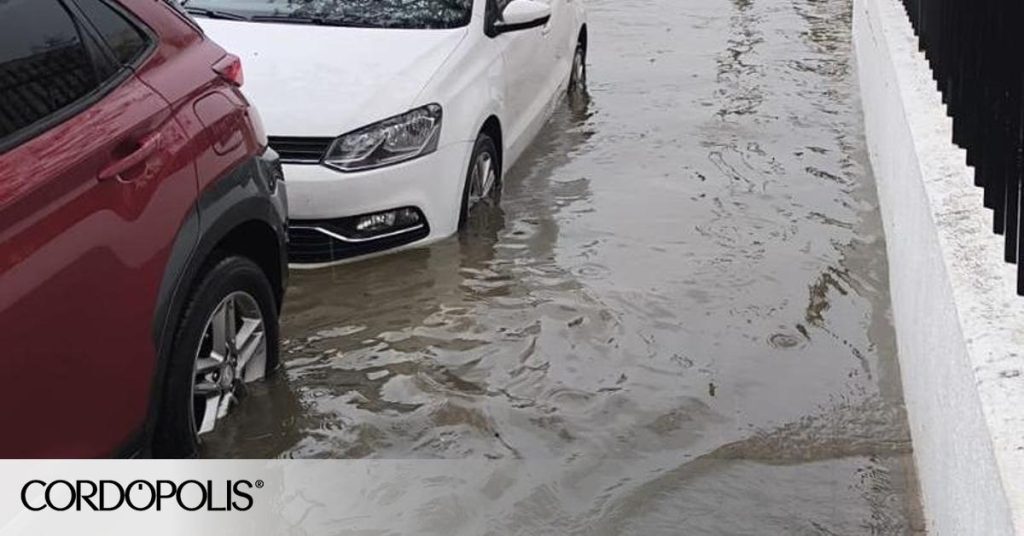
(227, 338)
(578, 76)
(483, 179)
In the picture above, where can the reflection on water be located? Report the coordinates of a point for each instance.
(681, 303)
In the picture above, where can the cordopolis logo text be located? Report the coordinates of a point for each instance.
(139, 495)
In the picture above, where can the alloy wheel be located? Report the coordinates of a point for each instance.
(482, 179)
(578, 77)
(231, 353)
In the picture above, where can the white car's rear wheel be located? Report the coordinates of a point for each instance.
(578, 76)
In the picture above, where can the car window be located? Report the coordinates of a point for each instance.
(44, 65)
(412, 14)
(123, 37)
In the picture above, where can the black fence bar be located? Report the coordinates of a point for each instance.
(976, 52)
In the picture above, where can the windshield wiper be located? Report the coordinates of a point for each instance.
(286, 18)
(319, 21)
(214, 13)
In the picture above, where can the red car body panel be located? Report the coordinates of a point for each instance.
(89, 211)
(81, 263)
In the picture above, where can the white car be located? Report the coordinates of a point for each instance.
(395, 118)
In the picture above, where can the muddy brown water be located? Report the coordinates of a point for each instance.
(683, 296)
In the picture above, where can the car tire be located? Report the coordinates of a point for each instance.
(483, 178)
(234, 288)
(578, 75)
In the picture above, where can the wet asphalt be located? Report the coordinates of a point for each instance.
(683, 294)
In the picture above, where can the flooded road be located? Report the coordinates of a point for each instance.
(681, 306)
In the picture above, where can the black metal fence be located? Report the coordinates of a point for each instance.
(976, 51)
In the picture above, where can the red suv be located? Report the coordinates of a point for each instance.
(142, 231)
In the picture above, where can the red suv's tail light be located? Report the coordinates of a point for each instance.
(230, 68)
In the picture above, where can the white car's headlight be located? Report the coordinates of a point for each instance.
(397, 139)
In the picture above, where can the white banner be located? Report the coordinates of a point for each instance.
(280, 497)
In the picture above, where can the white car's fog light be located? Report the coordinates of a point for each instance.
(385, 221)
(376, 222)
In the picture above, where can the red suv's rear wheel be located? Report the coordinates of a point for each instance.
(227, 338)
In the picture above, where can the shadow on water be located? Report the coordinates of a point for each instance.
(681, 303)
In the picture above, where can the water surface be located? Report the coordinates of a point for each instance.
(681, 307)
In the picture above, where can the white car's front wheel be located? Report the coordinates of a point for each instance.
(483, 178)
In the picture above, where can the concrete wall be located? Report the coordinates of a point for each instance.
(959, 324)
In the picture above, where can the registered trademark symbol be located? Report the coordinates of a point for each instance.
(259, 484)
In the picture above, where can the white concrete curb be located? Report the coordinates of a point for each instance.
(959, 323)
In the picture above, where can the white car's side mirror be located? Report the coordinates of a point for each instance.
(523, 15)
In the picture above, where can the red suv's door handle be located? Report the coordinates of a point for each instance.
(149, 145)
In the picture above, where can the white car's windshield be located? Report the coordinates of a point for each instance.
(358, 13)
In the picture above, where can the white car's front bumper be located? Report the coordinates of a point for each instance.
(318, 195)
